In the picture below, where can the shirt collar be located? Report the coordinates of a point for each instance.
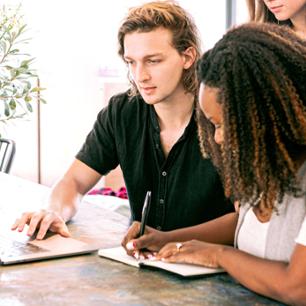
(155, 124)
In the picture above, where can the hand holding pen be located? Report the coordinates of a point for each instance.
(143, 253)
(131, 245)
(141, 237)
(145, 213)
(138, 229)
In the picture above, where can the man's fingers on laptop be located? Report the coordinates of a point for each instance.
(15, 225)
(52, 221)
(44, 227)
(64, 231)
(41, 221)
(22, 221)
(36, 219)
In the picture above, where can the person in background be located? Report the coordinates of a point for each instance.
(284, 12)
(150, 131)
(254, 129)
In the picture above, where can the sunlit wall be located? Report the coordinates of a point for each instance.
(75, 46)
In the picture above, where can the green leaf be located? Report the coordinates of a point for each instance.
(37, 89)
(29, 107)
(18, 79)
(6, 109)
(13, 72)
(14, 51)
(24, 91)
(4, 94)
(22, 71)
(12, 104)
(28, 85)
(3, 46)
(8, 67)
(28, 98)
(25, 63)
(21, 30)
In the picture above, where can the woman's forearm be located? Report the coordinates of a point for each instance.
(220, 230)
(275, 279)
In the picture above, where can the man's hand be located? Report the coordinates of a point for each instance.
(42, 221)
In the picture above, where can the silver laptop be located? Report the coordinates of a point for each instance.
(16, 247)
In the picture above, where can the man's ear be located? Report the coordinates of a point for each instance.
(189, 56)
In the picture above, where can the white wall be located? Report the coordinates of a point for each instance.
(74, 43)
(242, 14)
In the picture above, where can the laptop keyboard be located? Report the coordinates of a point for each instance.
(11, 248)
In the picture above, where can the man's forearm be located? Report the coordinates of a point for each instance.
(64, 199)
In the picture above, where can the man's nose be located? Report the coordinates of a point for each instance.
(141, 73)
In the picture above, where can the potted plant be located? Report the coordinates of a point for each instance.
(19, 87)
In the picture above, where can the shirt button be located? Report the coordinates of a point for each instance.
(158, 228)
(157, 146)
(161, 201)
(164, 173)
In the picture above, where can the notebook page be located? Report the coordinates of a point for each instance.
(181, 269)
(119, 254)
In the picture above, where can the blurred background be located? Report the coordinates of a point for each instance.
(74, 44)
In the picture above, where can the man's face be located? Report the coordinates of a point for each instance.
(155, 65)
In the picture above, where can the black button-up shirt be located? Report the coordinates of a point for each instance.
(186, 189)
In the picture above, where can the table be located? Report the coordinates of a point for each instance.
(92, 280)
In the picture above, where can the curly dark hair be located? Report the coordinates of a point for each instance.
(260, 72)
(168, 15)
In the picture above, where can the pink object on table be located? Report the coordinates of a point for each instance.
(121, 193)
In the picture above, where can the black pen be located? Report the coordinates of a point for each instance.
(145, 213)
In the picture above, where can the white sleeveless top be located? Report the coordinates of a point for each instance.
(253, 235)
(275, 239)
(301, 238)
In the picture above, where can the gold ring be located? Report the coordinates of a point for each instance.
(178, 246)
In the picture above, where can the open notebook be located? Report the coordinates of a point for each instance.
(186, 270)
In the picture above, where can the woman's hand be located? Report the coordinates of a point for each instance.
(194, 252)
(152, 240)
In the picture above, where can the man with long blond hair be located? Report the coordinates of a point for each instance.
(150, 131)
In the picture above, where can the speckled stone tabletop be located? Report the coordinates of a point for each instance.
(92, 280)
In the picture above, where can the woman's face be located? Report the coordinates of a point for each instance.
(212, 109)
(286, 9)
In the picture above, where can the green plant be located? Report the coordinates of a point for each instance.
(18, 80)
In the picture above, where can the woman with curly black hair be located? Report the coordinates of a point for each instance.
(253, 126)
